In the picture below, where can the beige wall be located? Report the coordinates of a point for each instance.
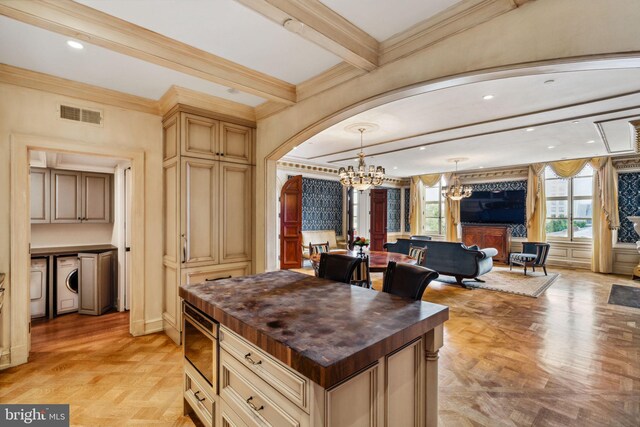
(33, 112)
(53, 235)
(542, 36)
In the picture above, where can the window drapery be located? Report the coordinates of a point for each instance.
(536, 206)
(605, 214)
(452, 213)
(417, 205)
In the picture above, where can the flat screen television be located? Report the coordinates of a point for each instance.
(494, 207)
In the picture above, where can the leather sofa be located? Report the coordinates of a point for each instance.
(457, 260)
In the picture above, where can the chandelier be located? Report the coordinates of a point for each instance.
(456, 191)
(361, 179)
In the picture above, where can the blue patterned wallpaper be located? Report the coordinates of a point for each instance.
(393, 210)
(321, 205)
(517, 230)
(628, 205)
(407, 207)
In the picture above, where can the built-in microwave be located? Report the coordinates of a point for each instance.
(200, 343)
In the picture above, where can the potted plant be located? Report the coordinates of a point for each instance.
(361, 242)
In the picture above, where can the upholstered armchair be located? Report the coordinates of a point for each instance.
(534, 254)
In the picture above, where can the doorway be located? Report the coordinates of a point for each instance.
(21, 146)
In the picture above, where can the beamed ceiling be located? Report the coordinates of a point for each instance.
(256, 57)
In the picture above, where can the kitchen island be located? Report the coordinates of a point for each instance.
(301, 351)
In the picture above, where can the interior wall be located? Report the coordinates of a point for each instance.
(54, 235)
(34, 112)
(541, 36)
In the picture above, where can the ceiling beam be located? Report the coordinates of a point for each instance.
(98, 28)
(317, 23)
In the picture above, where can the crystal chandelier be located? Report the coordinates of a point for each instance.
(456, 191)
(361, 179)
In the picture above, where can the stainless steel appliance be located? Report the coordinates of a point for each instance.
(200, 343)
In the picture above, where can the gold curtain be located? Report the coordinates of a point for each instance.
(416, 206)
(568, 168)
(431, 179)
(605, 214)
(536, 204)
(452, 214)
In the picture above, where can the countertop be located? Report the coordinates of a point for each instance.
(325, 330)
(61, 250)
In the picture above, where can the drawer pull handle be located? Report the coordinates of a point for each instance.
(250, 360)
(217, 278)
(200, 399)
(253, 406)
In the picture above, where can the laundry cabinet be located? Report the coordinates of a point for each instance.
(208, 202)
(95, 289)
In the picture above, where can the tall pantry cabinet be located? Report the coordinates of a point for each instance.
(208, 187)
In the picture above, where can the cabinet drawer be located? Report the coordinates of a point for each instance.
(255, 401)
(215, 272)
(288, 382)
(229, 416)
(198, 397)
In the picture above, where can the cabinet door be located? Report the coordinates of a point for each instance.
(65, 191)
(235, 212)
(199, 137)
(96, 197)
(235, 143)
(95, 289)
(40, 191)
(200, 210)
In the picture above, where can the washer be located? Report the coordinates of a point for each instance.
(67, 284)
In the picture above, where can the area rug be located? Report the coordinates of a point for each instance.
(627, 296)
(512, 282)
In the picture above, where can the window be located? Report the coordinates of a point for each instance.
(434, 222)
(354, 212)
(569, 205)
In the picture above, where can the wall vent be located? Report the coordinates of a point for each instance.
(69, 112)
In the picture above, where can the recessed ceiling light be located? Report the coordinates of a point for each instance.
(233, 90)
(423, 148)
(481, 167)
(551, 147)
(530, 129)
(591, 141)
(355, 160)
(575, 122)
(395, 167)
(548, 82)
(487, 97)
(74, 44)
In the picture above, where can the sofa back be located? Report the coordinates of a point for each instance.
(401, 246)
(320, 236)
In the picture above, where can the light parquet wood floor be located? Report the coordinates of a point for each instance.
(564, 359)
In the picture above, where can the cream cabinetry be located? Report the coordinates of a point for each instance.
(63, 197)
(95, 290)
(208, 186)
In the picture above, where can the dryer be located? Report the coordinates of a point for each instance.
(38, 287)
(67, 284)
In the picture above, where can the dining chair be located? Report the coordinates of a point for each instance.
(337, 267)
(418, 253)
(317, 248)
(409, 281)
(362, 274)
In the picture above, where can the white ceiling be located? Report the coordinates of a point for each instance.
(40, 50)
(227, 29)
(384, 18)
(458, 122)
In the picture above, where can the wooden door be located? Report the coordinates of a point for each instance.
(235, 212)
(378, 209)
(235, 143)
(40, 191)
(65, 191)
(291, 223)
(200, 210)
(96, 198)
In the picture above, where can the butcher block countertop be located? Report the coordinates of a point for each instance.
(325, 330)
(61, 250)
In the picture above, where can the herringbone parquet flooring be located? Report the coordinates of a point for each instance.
(564, 359)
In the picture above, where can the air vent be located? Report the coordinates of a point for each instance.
(77, 114)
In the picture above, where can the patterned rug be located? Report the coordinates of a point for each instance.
(512, 282)
(627, 296)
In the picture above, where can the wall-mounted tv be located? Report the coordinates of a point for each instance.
(494, 207)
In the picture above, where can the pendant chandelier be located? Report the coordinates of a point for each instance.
(362, 178)
(456, 191)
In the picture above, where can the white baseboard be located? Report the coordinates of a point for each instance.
(152, 326)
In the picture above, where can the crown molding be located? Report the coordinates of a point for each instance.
(98, 28)
(179, 95)
(454, 20)
(301, 167)
(48, 83)
(495, 175)
(268, 108)
(332, 77)
(636, 128)
(319, 24)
